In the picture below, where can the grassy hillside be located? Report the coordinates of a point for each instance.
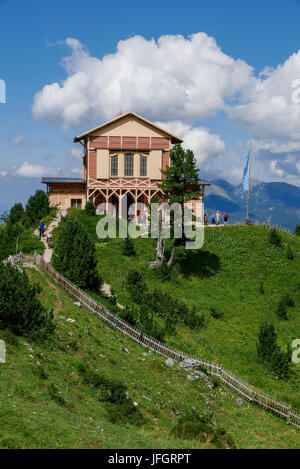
(46, 401)
(225, 274)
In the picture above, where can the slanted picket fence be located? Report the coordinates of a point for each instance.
(250, 393)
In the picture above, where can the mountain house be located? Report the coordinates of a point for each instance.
(122, 165)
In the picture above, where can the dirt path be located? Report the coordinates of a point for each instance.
(48, 251)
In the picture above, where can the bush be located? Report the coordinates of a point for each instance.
(274, 238)
(37, 206)
(115, 396)
(281, 309)
(202, 428)
(281, 363)
(289, 253)
(297, 230)
(270, 353)
(20, 309)
(16, 213)
(215, 313)
(75, 255)
(9, 337)
(266, 345)
(90, 208)
(288, 299)
(261, 288)
(127, 247)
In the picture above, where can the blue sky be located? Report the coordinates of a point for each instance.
(229, 101)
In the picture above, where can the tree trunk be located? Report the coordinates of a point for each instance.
(172, 258)
(160, 248)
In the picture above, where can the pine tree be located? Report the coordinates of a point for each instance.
(75, 255)
(20, 309)
(127, 247)
(37, 206)
(16, 213)
(90, 208)
(274, 238)
(180, 184)
(266, 345)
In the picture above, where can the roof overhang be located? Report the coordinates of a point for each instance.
(46, 180)
(174, 138)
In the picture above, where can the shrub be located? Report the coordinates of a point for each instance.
(281, 363)
(202, 427)
(20, 309)
(9, 337)
(37, 206)
(193, 320)
(261, 288)
(16, 213)
(75, 255)
(274, 238)
(297, 230)
(55, 395)
(288, 299)
(281, 309)
(215, 313)
(90, 208)
(266, 344)
(114, 395)
(289, 253)
(270, 353)
(127, 247)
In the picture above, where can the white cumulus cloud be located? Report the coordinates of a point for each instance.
(204, 144)
(175, 77)
(29, 170)
(3, 173)
(271, 108)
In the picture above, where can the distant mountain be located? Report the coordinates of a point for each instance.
(273, 203)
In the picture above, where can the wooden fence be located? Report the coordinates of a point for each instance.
(249, 393)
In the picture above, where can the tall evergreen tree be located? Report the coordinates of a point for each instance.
(20, 309)
(37, 206)
(180, 184)
(16, 213)
(75, 255)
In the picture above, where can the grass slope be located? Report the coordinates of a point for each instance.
(226, 274)
(46, 404)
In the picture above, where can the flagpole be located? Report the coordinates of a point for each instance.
(249, 184)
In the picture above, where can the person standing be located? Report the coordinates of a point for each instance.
(42, 227)
(213, 220)
(205, 219)
(217, 217)
(225, 217)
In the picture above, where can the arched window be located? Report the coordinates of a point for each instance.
(114, 166)
(143, 166)
(128, 165)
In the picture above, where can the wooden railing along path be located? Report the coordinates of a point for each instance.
(249, 393)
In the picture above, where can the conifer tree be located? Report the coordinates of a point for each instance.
(75, 255)
(20, 309)
(180, 184)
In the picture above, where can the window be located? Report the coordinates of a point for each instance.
(114, 166)
(128, 165)
(143, 166)
(76, 203)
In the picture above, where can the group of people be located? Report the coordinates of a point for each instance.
(42, 233)
(215, 219)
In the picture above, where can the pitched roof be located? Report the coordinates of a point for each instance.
(174, 138)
